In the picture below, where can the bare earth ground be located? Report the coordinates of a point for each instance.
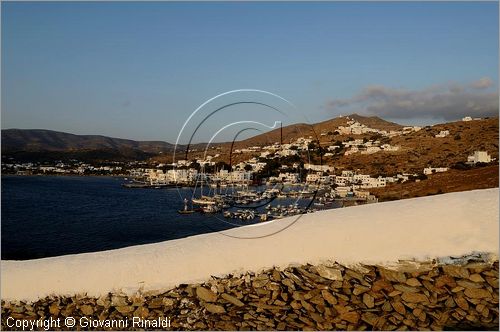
(439, 183)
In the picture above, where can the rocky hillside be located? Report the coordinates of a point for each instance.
(292, 132)
(425, 296)
(422, 149)
(440, 183)
(417, 149)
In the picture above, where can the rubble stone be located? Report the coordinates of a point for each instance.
(306, 297)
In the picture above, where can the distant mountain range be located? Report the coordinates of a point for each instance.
(417, 149)
(49, 140)
(42, 140)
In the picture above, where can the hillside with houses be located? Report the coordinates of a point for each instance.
(348, 143)
(348, 156)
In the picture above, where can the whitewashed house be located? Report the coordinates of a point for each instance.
(479, 157)
(371, 149)
(443, 133)
(319, 168)
(430, 170)
(289, 177)
(349, 174)
(361, 178)
(313, 177)
(342, 191)
(374, 183)
(240, 177)
(352, 150)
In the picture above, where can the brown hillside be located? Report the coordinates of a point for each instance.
(421, 149)
(376, 122)
(418, 150)
(292, 132)
(451, 181)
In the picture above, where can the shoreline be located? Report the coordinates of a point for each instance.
(66, 175)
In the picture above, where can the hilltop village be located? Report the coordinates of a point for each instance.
(321, 159)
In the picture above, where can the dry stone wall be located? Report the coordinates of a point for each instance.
(322, 297)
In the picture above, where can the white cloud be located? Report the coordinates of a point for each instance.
(483, 83)
(447, 101)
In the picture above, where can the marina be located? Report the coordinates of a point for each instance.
(266, 203)
(248, 203)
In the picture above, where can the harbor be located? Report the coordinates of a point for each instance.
(247, 202)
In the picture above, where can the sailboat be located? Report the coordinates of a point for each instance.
(208, 204)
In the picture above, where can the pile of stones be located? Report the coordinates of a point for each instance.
(307, 297)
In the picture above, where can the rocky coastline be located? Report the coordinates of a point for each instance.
(408, 296)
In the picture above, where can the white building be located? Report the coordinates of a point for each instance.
(355, 142)
(289, 177)
(318, 178)
(265, 154)
(47, 168)
(240, 176)
(348, 174)
(342, 180)
(352, 150)
(388, 147)
(411, 128)
(182, 163)
(361, 194)
(370, 150)
(479, 157)
(443, 133)
(467, 118)
(258, 166)
(287, 152)
(430, 170)
(178, 175)
(361, 178)
(313, 177)
(319, 168)
(374, 182)
(342, 191)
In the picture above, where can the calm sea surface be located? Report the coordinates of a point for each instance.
(45, 216)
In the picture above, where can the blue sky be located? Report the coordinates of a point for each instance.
(138, 70)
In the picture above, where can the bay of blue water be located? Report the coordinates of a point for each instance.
(44, 216)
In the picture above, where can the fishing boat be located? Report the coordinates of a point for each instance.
(246, 214)
(204, 200)
(211, 209)
(186, 210)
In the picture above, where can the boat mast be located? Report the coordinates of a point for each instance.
(281, 134)
(201, 178)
